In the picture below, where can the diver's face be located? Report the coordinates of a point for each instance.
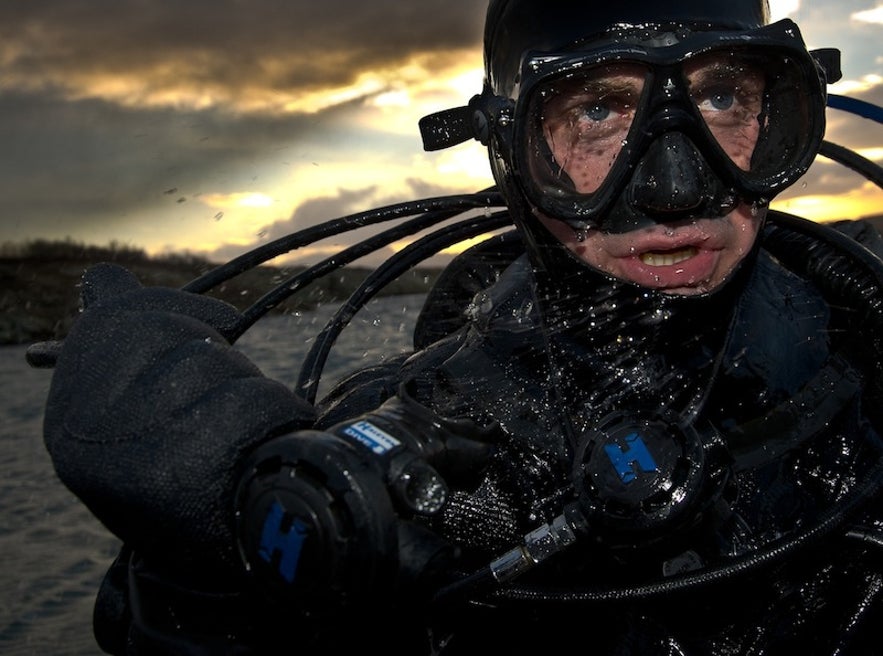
(585, 126)
(686, 258)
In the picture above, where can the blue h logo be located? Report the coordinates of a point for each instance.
(624, 462)
(288, 543)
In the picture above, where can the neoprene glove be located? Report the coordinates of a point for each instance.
(151, 413)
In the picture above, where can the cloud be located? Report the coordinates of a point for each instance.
(109, 104)
(258, 55)
(874, 15)
(344, 203)
(782, 8)
(90, 158)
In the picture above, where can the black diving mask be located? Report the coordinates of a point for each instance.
(739, 115)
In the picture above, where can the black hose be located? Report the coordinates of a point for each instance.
(856, 106)
(866, 536)
(314, 362)
(869, 169)
(266, 252)
(844, 270)
(296, 282)
(833, 519)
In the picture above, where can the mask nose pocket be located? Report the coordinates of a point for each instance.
(672, 178)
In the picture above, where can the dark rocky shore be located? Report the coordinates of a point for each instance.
(39, 284)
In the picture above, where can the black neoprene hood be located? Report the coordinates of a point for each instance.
(514, 27)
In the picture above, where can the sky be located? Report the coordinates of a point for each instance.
(214, 126)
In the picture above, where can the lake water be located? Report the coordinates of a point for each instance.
(53, 553)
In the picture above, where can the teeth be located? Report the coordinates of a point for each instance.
(669, 258)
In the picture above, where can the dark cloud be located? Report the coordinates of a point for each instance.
(277, 44)
(82, 148)
(92, 158)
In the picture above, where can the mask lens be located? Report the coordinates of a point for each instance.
(728, 91)
(580, 124)
(777, 106)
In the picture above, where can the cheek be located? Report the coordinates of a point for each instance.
(561, 231)
(746, 224)
(589, 171)
(742, 237)
(741, 149)
(586, 167)
(590, 250)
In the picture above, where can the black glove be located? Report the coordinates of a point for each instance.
(151, 413)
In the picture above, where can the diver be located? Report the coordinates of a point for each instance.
(645, 421)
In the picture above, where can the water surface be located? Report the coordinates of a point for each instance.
(54, 553)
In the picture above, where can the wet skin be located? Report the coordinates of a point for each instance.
(688, 258)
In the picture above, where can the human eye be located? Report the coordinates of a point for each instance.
(595, 111)
(727, 91)
(584, 115)
(717, 100)
(598, 107)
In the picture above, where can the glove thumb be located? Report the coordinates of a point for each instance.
(104, 281)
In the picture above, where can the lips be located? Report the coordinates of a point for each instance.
(683, 269)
